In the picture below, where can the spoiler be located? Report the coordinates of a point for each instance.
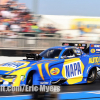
(93, 49)
(82, 46)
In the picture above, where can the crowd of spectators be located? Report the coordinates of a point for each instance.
(16, 17)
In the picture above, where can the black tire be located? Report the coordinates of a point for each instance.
(29, 79)
(92, 75)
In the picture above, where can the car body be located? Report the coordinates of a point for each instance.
(62, 65)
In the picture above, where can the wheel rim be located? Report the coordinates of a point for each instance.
(29, 81)
(91, 76)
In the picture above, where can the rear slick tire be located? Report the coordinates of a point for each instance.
(92, 75)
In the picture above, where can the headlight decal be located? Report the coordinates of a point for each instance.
(9, 76)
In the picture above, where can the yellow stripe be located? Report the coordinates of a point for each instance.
(6, 68)
(40, 70)
(63, 72)
(33, 64)
(47, 68)
(8, 72)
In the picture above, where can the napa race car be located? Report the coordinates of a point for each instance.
(60, 65)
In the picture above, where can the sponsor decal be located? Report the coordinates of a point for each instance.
(23, 77)
(66, 44)
(96, 45)
(81, 47)
(76, 44)
(79, 44)
(94, 60)
(54, 71)
(83, 44)
(73, 69)
(97, 52)
(13, 64)
(92, 45)
(96, 64)
(44, 82)
(97, 49)
(92, 50)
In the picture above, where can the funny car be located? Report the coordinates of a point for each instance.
(60, 65)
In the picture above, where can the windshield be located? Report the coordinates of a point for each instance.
(51, 53)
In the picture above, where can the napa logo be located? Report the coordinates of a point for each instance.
(54, 71)
(73, 69)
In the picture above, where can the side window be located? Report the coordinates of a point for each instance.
(71, 52)
(68, 53)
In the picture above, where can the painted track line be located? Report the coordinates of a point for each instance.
(15, 97)
(83, 95)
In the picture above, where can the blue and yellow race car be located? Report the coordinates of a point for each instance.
(59, 65)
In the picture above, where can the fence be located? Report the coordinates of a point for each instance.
(39, 42)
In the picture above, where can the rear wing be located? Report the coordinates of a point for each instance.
(93, 49)
(82, 46)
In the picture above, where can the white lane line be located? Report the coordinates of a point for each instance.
(80, 92)
(15, 96)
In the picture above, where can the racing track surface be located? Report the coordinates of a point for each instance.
(64, 89)
(81, 87)
(70, 88)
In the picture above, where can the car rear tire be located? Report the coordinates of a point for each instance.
(92, 75)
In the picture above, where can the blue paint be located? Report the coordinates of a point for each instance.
(3, 72)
